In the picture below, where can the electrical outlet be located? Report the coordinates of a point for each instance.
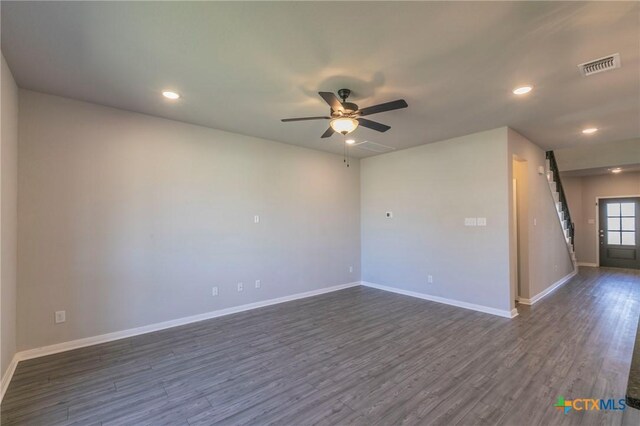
(258, 284)
(214, 291)
(240, 287)
(389, 215)
(61, 316)
(350, 269)
(430, 279)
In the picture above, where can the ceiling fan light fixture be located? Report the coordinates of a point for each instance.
(344, 125)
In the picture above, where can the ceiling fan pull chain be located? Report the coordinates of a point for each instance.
(348, 158)
(344, 148)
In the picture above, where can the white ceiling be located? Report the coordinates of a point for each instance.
(242, 66)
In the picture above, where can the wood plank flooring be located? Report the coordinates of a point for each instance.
(358, 356)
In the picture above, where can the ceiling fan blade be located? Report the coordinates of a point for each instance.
(373, 125)
(332, 100)
(327, 133)
(388, 106)
(286, 120)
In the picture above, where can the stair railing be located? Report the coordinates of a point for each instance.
(553, 166)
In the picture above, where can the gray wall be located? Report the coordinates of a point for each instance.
(8, 215)
(127, 220)
(582, 193)
(547, 255)
(431, 189)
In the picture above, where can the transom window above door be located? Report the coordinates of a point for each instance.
(621, 224)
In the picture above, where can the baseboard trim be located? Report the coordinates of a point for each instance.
(472, 306)
(8, 375)
(104, 338)
(591, 265)
(548, 290)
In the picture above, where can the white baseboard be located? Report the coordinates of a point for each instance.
(548, 290)
(592, 265)
(103, 338)
(480, 308)
(8, 375)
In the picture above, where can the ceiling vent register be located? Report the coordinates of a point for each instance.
(607, 63)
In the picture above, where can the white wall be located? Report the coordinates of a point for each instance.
(127, 220)
(548, 258)
(582, 193)
(431, 189)
(8, 215)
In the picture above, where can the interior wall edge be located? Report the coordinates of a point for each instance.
(8, 375)
(553, 287)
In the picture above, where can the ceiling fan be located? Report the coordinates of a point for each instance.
(346, 116)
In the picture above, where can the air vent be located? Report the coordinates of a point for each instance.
(607, 63)
(373, 146)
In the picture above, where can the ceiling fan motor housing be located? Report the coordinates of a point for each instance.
(344, 94)
(349, 107)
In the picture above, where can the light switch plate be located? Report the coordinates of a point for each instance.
(470, 221)
(61, 316)
(482, 221)
(256, 219)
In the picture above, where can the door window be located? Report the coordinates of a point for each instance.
(621, 224)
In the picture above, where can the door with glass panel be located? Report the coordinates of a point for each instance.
(619, 232)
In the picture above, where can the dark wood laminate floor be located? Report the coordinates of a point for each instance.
(357, 356)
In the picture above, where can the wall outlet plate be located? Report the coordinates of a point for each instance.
(258, 284)
(240, 287)
(214, 291)
(389, 215)
(60, 316)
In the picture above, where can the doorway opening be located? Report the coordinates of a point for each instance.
(520, 220)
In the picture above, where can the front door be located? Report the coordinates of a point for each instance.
(619, 232)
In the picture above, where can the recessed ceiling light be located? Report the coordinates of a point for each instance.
(590, 131)
(522, 90)
(350, 141)
(170, 95)
(616, 170)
